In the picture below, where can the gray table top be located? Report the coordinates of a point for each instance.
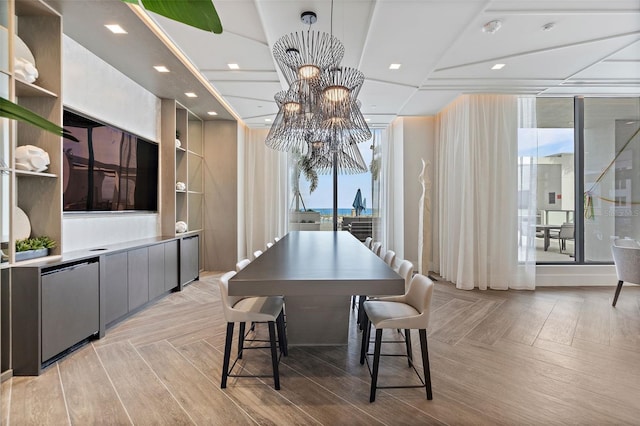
(306, 263)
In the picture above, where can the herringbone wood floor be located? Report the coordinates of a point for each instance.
(553, 356)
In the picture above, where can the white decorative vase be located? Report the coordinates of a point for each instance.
(31, 158)
(180, 186)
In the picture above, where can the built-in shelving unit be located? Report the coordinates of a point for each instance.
(38, 194)
(181, 164)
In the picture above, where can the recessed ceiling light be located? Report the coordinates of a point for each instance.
(267, 119)
(497, 66)
(630, 122)
(233, 66)
(395, 66)
(161, 68)
(492, 27)
(116, 29)
(548, 27)
(367, 119)
(212, 113)
(191, 95)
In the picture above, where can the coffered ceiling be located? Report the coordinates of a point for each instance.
(548, 48)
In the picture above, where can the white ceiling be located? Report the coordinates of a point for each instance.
(593, 48)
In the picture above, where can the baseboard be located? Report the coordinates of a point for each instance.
(6, 375)
(575, 275)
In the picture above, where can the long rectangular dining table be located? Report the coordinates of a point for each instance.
(317, 272)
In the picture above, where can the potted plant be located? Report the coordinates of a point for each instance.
(31, 248)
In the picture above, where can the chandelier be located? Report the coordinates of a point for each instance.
(318, 115)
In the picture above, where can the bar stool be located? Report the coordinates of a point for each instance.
(251, 309)
(367, 242)
(242, 264)
(256, 254)
(409, 311)
(389, 258)
(376, 247)
(269, 245)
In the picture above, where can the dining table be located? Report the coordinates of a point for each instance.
(317, 272)
(546, 233)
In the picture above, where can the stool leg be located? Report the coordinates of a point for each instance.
(364, 345)
(407, 339)
(425, 363)
(361, 300)
(241, 339)
(615, 298)
(227, 355)
(274, 355)
(282, 335)
(376, 362)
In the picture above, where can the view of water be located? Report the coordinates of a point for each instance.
(341, 212)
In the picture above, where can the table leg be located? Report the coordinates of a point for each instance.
(317, 320)
(547, 238)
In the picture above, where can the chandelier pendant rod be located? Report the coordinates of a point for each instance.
(335, 191)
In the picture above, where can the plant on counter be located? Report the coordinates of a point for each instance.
(36, 243)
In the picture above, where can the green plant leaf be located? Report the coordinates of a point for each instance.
(196, 13)
(14, 111)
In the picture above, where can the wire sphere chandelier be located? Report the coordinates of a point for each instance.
(318, 115)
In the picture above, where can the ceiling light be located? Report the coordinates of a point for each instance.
(497, 66)
(191, 95)
(233, 66)
(212, 113)
(267, 119)
(492, 26)
(116, 29)
(367, 119)
(161, 68)
(628, 123)
(395, 66)
(548, 27)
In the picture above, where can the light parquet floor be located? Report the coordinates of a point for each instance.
(552, 356)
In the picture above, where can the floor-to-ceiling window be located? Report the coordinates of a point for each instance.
(587, 191)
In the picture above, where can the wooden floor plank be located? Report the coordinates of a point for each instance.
(37, 401)
(625, 324)
(5, 394)
(561, 324)
(257, 396)
(147, 405)
(593, 323)
(90, 396)
(205, 402)
(457, 328)
(530, 320)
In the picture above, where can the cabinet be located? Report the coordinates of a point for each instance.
(189, 259)
(184, 164)
(116, 285)
(138, 277)
(53, 308)
(38, 27)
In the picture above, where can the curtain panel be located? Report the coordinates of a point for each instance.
(477, 192)
(264, 215)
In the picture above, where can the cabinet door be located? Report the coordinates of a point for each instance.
(138, 274)
(70, 307)
(156, 271)
(170, 265)
(189, 259)
(116, 286)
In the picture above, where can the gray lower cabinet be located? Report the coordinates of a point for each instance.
(171, 277)
(138, 274)
(189, 259)
(70, 307)
(53, 308)
(156, 270)
(116, 286)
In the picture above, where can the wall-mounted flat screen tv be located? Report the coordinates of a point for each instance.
(109, 169)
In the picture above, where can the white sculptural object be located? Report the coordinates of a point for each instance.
(180, 186)
(31, 158)
(181, 227)
(24, 62)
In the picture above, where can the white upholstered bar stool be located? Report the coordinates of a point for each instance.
(405, 270)
(242, 264)
(367, 242)
(276, 239)
(269, 245)
(376, 247)
(409, 311)
(238, 309)
(389, 258)
(256, 254)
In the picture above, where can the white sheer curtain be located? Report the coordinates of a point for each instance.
(477, 192)
(391, 194)
(264, 181)
(527, 192)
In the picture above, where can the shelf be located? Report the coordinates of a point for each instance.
(45, 259)
(40, 174)
(195, 192)
(180, 192)
(180, 149)
(30, 90)
(197, 154)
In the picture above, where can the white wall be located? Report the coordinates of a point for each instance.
(95, 88)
